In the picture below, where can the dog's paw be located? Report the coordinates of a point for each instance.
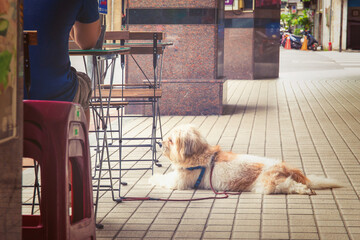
(165, 181)
(155, 179)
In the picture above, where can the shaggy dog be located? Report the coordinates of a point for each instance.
(193, 158)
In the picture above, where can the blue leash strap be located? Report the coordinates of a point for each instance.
(200, 176)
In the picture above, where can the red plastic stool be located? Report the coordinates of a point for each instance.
(55, 136)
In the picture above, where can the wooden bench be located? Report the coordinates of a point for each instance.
(130, 93)
(133, 35)
(112, 103)
(136, 47)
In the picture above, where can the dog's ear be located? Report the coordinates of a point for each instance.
(193, 144)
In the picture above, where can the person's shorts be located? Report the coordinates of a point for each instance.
(84, 92)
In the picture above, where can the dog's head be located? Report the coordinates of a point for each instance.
(183, 144)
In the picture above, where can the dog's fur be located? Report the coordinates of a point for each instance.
(185, 147)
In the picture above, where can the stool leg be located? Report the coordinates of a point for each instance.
(36, 187)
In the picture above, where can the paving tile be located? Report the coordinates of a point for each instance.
(355, 235)
(353, 223)
(167, 221)
(272, 228)
(332, 229)
(332, 236)
(140, 220)
(350, 211)
(240, 211)
(194, 221)
(218, 228)
(247, 222)
(300, 211)
(245, 235)
(275, 222)
(190, 228)
(304, 236)
(302, 229)
(251, 200)
(151, 215)
(220, 222)
(275, 211)
(249, 206)
(198, 210)
(299, 206)
(274, 216)
(162, 227)
(105, 234)
(217, 235)
(299, 217)
(195, 215)
(173, 210)
(187, 235)
(127, 234)
(159, 234)
(223, 210)
(148, 210)
(274, 205)
(221, 216)
(329, 217)
(354, 230)
(268, 235)
(326, 211)
(135, 227)
(330, 223)
(246, 228)
(118, 215)
(200, 205)
(249, 216)
(170, 215)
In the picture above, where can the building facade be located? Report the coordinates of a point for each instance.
(337, 24)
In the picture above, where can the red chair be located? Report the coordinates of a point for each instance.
(55, 136)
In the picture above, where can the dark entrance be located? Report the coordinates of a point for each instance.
(353, 32)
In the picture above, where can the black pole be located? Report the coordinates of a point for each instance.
(341, 24)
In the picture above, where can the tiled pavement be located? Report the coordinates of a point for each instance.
(309, 117)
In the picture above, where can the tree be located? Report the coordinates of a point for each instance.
(300, 22)
(287, 19)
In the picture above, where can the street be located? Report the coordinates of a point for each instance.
(319, 64)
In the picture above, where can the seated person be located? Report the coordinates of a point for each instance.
(52, 77)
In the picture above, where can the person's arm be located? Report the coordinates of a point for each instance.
(85, 34)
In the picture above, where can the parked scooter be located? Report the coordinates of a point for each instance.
(312, 42)
(297, 41)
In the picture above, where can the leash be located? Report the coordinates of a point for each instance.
(224, 193)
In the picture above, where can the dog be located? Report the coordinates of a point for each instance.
(194, 162)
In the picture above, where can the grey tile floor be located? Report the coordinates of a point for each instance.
(309, 116)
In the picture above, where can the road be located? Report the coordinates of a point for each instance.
(319, 65)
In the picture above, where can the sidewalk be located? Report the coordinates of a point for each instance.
(309, 117)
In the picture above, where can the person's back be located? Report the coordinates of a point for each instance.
(51, 76)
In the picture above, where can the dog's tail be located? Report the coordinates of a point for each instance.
(318, 182)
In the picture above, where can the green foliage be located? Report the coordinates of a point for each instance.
(299, 22)
(287, 19)
(5, 59)
(304, 20)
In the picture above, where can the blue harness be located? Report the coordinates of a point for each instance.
(198, 181)
(200, 176)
